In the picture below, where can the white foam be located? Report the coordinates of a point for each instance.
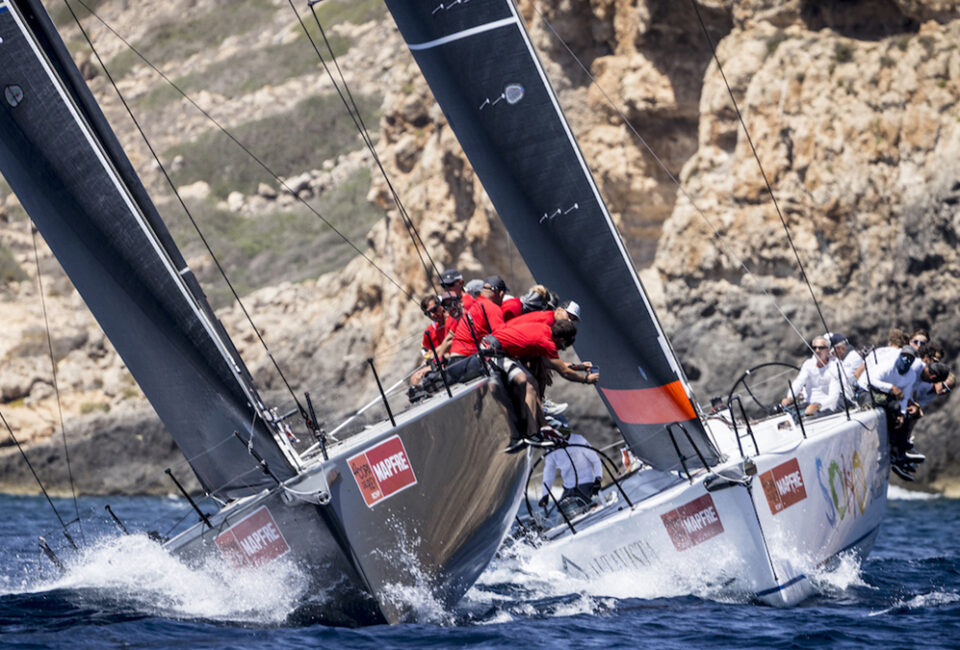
(842, 574)
(897, 493)
(922, 601)
(138, 572)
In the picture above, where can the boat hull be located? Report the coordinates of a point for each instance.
(396, 517)
(761, 535)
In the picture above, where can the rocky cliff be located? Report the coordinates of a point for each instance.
(852, 108)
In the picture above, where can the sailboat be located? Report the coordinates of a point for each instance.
(769, 500)
(423, 499)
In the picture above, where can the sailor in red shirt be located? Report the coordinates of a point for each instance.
(454, 314)
(452, 280)
(436, 331)
(484, 317)
(532, 341)
(433, 336)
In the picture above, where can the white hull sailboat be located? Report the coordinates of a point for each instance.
(776, 501)
(762, 521)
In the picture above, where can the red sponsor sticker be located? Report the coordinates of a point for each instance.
(783, 486)
(693, 523)
(382, 470)
(253, 541)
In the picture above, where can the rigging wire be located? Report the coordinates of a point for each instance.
(354, 111)
(717, 236)
(756, 156)
(243, 147)
(63, 525)
(56, 384)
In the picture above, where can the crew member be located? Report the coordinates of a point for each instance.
(483, 317)
(536, 344)
(452, 280)
(579, 466)
(818, 382)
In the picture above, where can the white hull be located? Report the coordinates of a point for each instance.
(810, 500)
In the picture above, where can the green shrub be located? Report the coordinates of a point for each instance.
(10, 271)
(94, 407)
(180, 39)
(331, 12)
(316, 129)
(245, 72)
(773, 42)
(275, 246)
(842, 52)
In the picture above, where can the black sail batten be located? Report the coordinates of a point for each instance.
(67, 168)
(479, 62)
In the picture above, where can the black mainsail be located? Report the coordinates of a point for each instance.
(482, 68)
(64, 163)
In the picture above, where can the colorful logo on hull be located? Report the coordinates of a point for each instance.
(783, 486)
(382, 471)
(253, 541)
(843, 482)
(693, 523)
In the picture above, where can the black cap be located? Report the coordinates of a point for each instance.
(908, 351)
(837, 339)
(496, 283)
(450, 276)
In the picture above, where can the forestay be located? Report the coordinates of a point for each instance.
(481, 66)
(66, 166)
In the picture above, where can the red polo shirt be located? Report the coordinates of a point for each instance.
(545, 317)
(529, 339)
(434, 332)
(482, 312)
(511, 309)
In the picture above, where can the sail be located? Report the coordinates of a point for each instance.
(483, 71)
(67, 168)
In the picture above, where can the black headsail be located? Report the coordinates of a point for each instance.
(63, 161)
(484, 73)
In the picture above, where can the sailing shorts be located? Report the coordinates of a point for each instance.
(512, 368)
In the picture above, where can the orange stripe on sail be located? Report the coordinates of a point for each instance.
(659, 405)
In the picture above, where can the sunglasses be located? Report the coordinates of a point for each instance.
(432, 310)
(918, 341)
(821, 347)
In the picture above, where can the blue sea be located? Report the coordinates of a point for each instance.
(125, 591)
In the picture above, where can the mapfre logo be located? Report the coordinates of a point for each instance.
(382, 471)
(253, 541)
(783, 486)
(693, 523)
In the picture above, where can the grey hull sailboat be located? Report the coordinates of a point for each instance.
(424, 500)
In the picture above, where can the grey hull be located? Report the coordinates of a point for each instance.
(368, 552)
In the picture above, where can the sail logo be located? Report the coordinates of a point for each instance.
(783, 486)
(693, 523)
(253, 541)
(382, 471)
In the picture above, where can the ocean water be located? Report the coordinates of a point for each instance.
(126, 591)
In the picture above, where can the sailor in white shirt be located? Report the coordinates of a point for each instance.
(893, 372)
(818, 382)
(849, 360)
(580, 467)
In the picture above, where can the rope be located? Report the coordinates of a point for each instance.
(56, 383)
(237, 142)
(756, 156)
(717, 236)
(354, 112)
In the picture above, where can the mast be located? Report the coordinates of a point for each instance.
(64, 162)
(485, 74)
